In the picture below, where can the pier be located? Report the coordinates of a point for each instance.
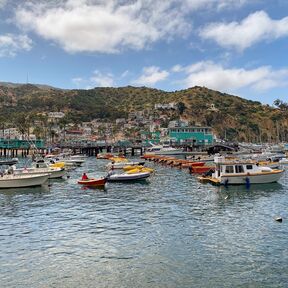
(94, 150)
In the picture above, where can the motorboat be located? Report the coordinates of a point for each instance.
(241, 172)
(104, 156)
(68, 160)
(78, 157)
(137, 169)
(121, 165)
(22, 180)
(128, 176)
(163, 150)
(8, 161)
(41, 167)
(283, 161)
(93, 182)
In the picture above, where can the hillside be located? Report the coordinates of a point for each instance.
(237, 118)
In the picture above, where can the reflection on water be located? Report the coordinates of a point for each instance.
(168, 231)
(253, 192)
(27, 190)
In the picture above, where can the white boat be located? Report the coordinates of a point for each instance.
(41, 167)
(163, 150)
(128, 177)
(22, 180)
(241, 172)
(78, 157)
(68, 160)
(283, 161)
(8, 161)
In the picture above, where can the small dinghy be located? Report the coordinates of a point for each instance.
(93, 181)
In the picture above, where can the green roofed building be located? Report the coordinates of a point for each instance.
(20, 144)
(191, 135)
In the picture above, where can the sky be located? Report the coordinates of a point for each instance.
(238, 47)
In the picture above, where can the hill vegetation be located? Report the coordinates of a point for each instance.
(231, 117)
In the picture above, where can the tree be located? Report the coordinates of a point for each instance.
(181, 107)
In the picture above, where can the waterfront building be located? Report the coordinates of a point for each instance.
(191, 135)
(20, 144)
(150, 137)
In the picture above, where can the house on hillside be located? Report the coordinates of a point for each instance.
(166, 106)
(212, 108)
(55, 116)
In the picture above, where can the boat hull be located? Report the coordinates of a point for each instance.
(261, 178)
(129, 177)
(93, 182)
(20, 181)
(54, 173)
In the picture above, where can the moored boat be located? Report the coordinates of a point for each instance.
(19, 181)
(241, 172)
(8, 161)
(200, 169)
(121, 165)
(93, 181)
(128, 177)
(163, 150)
(41, 167)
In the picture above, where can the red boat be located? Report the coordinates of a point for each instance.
(200, 169)
(93, 182)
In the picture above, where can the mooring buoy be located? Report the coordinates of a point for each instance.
(278, 219)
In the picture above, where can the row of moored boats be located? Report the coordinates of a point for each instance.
(230, 170)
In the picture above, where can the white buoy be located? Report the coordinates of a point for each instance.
(278, 218)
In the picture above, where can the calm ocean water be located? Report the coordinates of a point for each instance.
(168, 231)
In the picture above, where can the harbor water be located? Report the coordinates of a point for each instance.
(166, 231)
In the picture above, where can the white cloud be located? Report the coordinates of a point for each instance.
(102, 27)
(151, 75)
(78, 81)
(213, 4)
(11, 44)
(2, 3)
(177, 68)
(241, 35)
(217, 77)
(98, 79)
(112, 25)
(125, 74)
(101, 80)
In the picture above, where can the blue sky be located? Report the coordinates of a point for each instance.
(233, 46)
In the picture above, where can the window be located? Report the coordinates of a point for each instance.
(239, 169)
(249, 167)
(229, 169)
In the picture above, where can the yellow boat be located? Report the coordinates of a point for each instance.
(58, 165)
(140, 170)
(118, 159)
(130, 167)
